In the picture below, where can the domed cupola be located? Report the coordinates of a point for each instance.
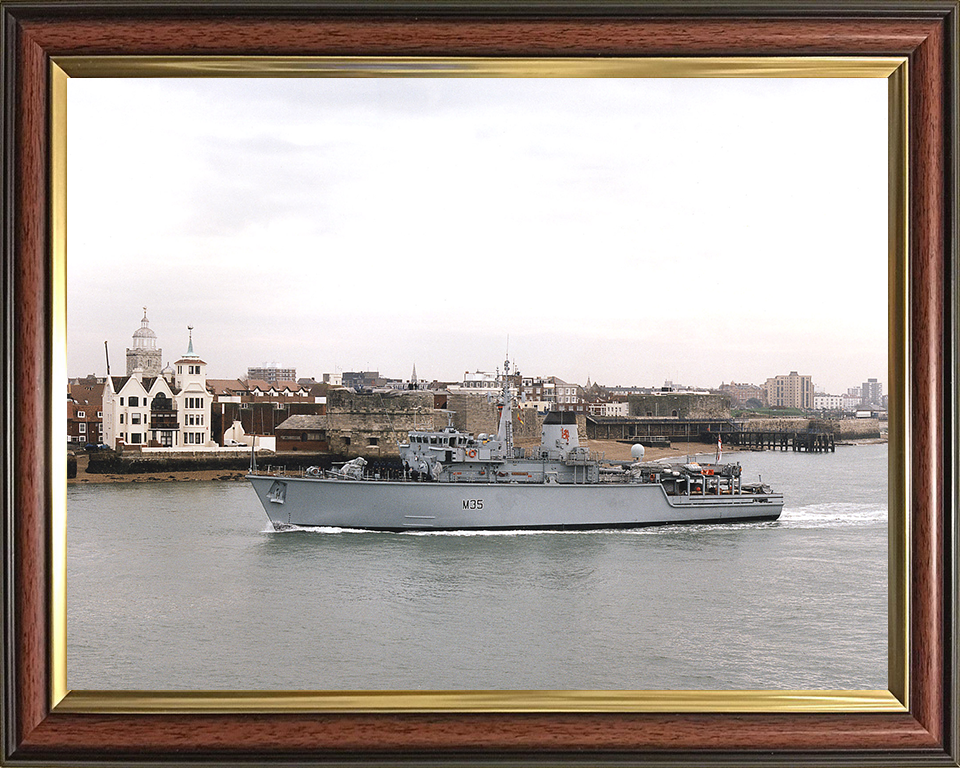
(144, 352)
(144, 337)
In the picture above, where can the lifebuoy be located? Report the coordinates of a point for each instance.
(472, 453)
(653, 477)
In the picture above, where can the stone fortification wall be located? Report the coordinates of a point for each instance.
(842, 429)
(348, 401)
(473, 413)
(371, 424)
(849, 429)
(680, 404)
(527, 424)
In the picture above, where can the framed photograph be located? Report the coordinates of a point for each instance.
(905, 48)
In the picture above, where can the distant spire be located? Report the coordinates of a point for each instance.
(413, 376)
(190, 352)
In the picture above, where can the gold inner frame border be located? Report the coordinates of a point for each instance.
(895, 699)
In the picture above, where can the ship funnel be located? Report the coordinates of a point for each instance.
(560, 431)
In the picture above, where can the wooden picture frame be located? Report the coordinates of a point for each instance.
(37, 730)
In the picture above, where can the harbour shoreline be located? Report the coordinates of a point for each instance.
(612, 450)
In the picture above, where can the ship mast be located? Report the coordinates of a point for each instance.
(506, 415)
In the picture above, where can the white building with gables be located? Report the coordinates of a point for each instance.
(171, 410)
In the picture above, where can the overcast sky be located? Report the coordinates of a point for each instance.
(631, 231)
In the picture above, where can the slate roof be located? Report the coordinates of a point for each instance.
(148, 382)
(90, 395)
(303, 422)
(226, 386)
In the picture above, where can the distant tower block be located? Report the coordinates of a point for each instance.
(144, 353)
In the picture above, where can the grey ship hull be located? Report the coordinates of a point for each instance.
(385, 505)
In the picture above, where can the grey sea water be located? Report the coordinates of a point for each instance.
(183, 586)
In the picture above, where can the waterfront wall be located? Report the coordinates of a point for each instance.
(850, 429)
(111, 463)
(770, 424)
(842, 429)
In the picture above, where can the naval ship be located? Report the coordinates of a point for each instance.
(455, 481)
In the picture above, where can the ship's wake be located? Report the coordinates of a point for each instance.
(291, 528)
(833, 514)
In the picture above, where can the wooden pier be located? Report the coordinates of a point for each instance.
(781, 440)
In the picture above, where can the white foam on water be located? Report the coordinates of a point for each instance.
(833, 514)
(490, 532)
(326, 529)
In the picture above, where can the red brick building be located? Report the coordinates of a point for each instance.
(85, 413)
